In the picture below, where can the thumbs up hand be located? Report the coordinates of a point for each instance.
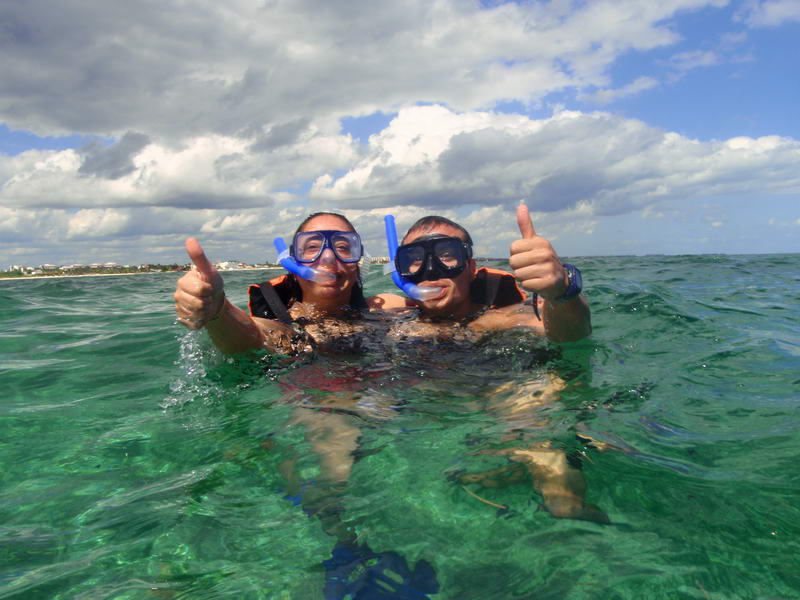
(200, 294)
(535, 262)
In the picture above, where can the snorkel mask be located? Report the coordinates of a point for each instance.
(432, 257)
(309, 247)
(411, 289)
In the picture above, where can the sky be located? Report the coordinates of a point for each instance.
(628, 127)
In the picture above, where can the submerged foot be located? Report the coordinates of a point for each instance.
(570, 507)
(358, 573)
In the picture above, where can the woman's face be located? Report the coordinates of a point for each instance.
(339, 289)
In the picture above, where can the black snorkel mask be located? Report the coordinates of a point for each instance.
(432, 257)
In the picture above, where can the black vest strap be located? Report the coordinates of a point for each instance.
(535, 304)
(275, 303)
(494, 289)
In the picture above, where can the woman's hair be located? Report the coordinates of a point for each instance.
(321, 214)
(430, 222)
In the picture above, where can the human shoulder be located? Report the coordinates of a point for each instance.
(514, 315)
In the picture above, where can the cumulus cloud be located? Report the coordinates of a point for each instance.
(96, 223)
(20, 226)
(770, 13)
(225, 119)
(477, 166)
(103, 68)
(434, 157)
(571, 169)
(114, 161)
(203, 172)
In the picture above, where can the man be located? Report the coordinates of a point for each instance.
(558, 310)
(437, 253)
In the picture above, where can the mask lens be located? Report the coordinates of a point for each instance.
(431, 259)
(308, 246)
(346, 245)
(412, 260)
(450, 253)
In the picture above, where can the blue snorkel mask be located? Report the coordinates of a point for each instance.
(304, 271)
(412, 290)
(309, 247)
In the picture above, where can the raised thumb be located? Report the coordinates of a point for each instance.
(525, 222)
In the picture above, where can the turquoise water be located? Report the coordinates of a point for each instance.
(139, 463)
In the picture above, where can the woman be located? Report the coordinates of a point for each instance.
(288, 314)
(323, 306)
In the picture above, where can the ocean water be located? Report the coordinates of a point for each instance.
(138, 463)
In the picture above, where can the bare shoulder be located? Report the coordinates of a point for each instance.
(515, 315)
(388, 302)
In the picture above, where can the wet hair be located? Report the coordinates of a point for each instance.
(432, 221)
(324, 214)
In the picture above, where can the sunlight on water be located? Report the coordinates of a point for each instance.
(141, 463)
(191, 385)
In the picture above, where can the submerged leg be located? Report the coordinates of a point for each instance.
(334, 439)
(495, 478)
(518, 401)
(562, 486)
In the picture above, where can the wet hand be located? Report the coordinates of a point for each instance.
(535, 262)
(200, 294)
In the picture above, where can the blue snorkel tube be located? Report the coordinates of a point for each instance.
(291, 265)
(411, 290)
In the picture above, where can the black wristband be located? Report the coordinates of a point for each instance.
(219, 312)
(575, 283)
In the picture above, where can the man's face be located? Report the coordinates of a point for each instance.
(454, 295)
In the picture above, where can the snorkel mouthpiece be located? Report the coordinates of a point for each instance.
(421, 293)
(291, 265)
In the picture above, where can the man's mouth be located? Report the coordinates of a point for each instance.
(442, 292)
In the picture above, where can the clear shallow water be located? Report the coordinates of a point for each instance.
(138, 463)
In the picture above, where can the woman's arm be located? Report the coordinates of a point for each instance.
(233, 330)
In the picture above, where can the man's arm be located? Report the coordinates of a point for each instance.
(538, 269)
(567, 320)
(389, 302)
(557, 321)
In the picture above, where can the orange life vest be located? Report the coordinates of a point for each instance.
(287, 292)
(495, 288)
